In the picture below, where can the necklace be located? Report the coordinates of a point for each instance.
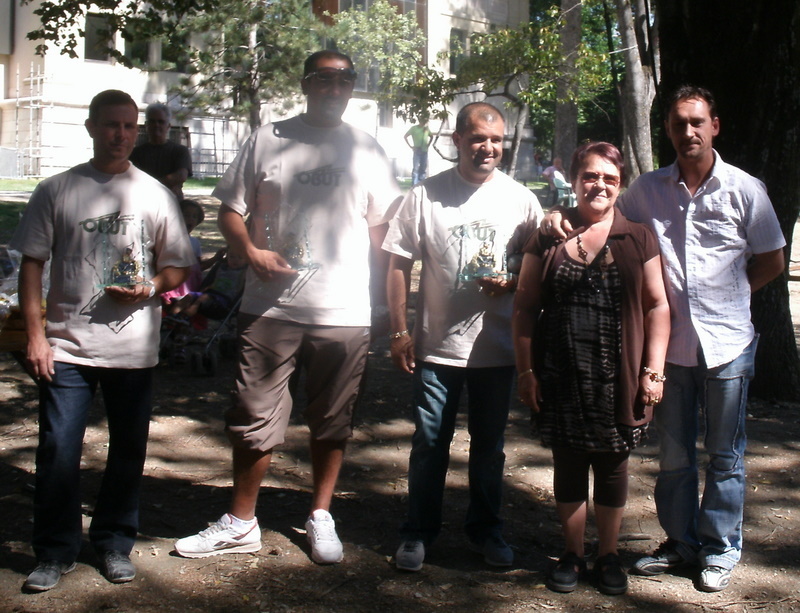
(601, 257)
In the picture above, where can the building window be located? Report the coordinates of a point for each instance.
(458, 49)
(405, 6)
(175, 54)
(137, 51)
(97, 38)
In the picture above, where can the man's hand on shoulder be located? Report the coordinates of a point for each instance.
(556, 224)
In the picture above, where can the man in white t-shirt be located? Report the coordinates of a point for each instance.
(462, 224)
(319, 194)
(115, 239)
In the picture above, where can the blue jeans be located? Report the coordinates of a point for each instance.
(711, 531)
(437, 391)
(63, 412)
(419, 169)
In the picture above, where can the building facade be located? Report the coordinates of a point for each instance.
(44, 99)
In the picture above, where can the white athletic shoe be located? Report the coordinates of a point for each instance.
(326, 548)
(220, 537)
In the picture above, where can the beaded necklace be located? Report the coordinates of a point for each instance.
(601, 257)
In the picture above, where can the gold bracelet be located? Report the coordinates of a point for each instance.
(525, 372)
(655, 376)
(395, 335)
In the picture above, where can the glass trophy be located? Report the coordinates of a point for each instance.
(122, 265)
(486, 262)
(293, 244)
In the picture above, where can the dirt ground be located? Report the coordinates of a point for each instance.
(187, 484)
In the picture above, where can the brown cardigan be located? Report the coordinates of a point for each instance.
(632, 244)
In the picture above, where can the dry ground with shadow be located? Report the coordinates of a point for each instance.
(187, 481)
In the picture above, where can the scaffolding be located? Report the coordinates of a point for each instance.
(29, 154)
(39, 149)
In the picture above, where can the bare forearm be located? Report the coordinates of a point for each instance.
(169, 278)
(398, 283)
(175, 179)
(30, 297)
(764, 267)
(656, 331)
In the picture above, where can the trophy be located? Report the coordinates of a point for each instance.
(120, 265)
(293, 243)
(486, 262)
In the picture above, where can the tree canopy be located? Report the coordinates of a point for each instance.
(385, 46)
(246, 52)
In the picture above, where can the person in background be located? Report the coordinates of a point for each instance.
(170, 163)
(419, 139)
(549, 173)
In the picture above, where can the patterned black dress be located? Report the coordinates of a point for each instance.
(580, 336)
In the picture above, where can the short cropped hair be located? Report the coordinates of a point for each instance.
(158, 106)
(607, 151)
(691, 92)
(310, 64)
(480, 110)
(109, 97)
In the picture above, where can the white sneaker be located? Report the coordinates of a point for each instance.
(410, 556)
(326, 548)
(220, 537)
(714, 579)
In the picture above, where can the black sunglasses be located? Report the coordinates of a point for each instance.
(329, 75)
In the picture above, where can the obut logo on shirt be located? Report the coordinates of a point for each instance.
(324, 176)
(108, 224)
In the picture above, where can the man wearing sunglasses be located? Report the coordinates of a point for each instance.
(720, 241)
(319, 194)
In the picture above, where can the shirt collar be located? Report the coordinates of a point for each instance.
(715, 179)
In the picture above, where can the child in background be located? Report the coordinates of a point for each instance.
(193, 216)
(218, 293)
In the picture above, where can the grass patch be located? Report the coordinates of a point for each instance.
(18, 185)
(201, 183)
(27, 185)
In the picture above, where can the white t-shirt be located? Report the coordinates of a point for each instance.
(457, 228)
(312, 195)
(88, 222)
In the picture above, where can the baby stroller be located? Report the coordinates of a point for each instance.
(186, 321)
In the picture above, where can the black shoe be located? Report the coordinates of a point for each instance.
(46, 575)
(610, 576)
(664, 558)
(563, 577)
(117, 567)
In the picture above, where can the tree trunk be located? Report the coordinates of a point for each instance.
(252, 93)
(637, 89)
(566, 123)
(519, 127)
(255, 112)
(748, 54)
